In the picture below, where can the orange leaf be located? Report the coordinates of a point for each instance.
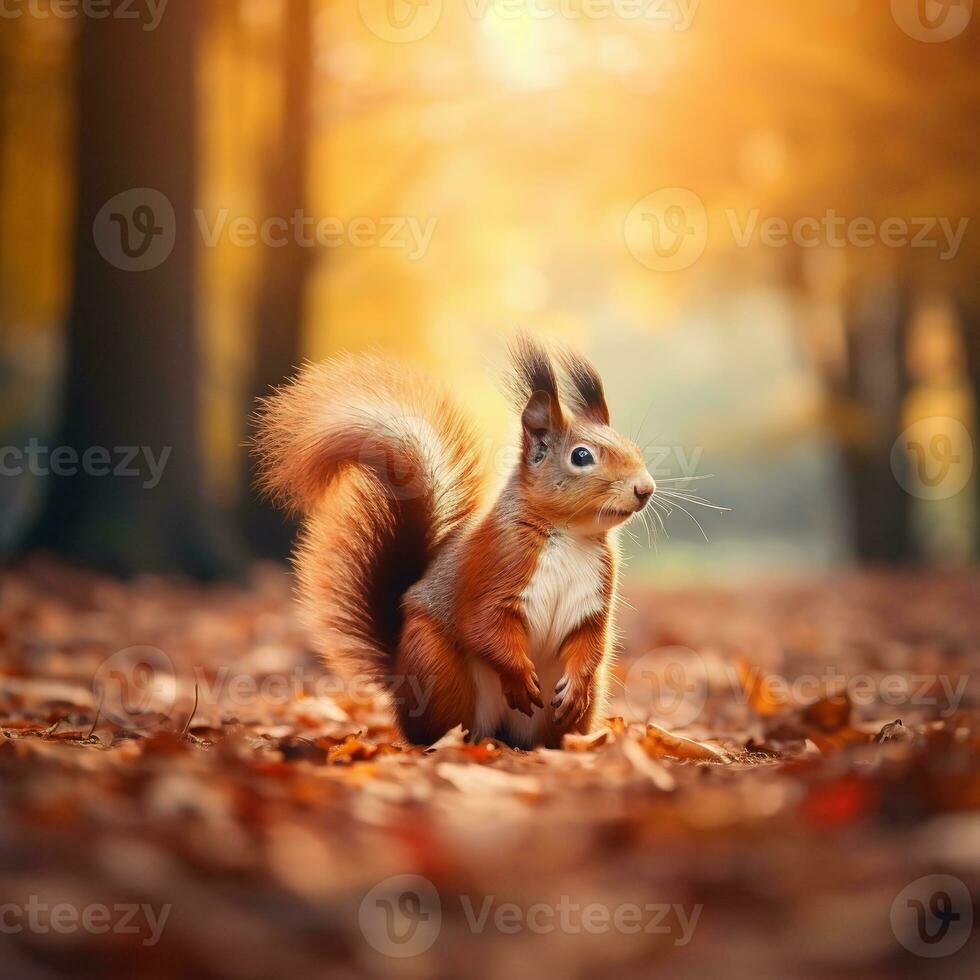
(659, 742)
(829, 714)
(759, 689)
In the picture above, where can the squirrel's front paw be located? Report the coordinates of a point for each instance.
(522, 689)
(573, 697)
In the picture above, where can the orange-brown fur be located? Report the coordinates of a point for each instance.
(404, 573)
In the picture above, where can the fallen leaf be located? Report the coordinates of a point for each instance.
(585, 743)
(642, 763)
(659, 742)
(759, 690)
(829, 714)
(455, 736)
(485, 779)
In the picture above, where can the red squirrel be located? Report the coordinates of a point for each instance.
(500, 611)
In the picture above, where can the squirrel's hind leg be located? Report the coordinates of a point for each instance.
(435, 690)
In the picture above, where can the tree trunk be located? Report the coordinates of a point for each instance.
(968, 306)
(877, 383)
(132, 347)
(279, 312)
(5, 86)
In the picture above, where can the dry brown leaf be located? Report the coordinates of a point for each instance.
(574, 742)
(617, 725)
(759, 689)
(660, 743)
(354, 749)
(485, 779)
(454, 737)
(810, 795)
(829, 714)
(641, 761)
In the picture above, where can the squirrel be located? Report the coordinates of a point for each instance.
(498, 611)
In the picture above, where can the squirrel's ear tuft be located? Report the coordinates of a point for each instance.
(585, 387)
(531, 372)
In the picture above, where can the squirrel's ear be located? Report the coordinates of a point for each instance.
(585, 387)
(542, 415)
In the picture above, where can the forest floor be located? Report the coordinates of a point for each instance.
(785, 771)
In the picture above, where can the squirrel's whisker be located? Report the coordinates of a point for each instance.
(684, 510)
(690, 498)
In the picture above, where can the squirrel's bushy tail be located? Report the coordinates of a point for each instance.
(384, 467)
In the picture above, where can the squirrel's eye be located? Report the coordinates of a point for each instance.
(582, 457)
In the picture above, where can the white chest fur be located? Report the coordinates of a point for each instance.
(565, 589)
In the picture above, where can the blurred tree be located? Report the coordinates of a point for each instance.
(279, 306)
(925, 169)
(877, 315)
(132, 347)
(6, 54)
(967, 299)
(869, 128)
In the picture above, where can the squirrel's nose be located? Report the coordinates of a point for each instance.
(643, 491)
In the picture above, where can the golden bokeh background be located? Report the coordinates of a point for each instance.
(524, 138)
